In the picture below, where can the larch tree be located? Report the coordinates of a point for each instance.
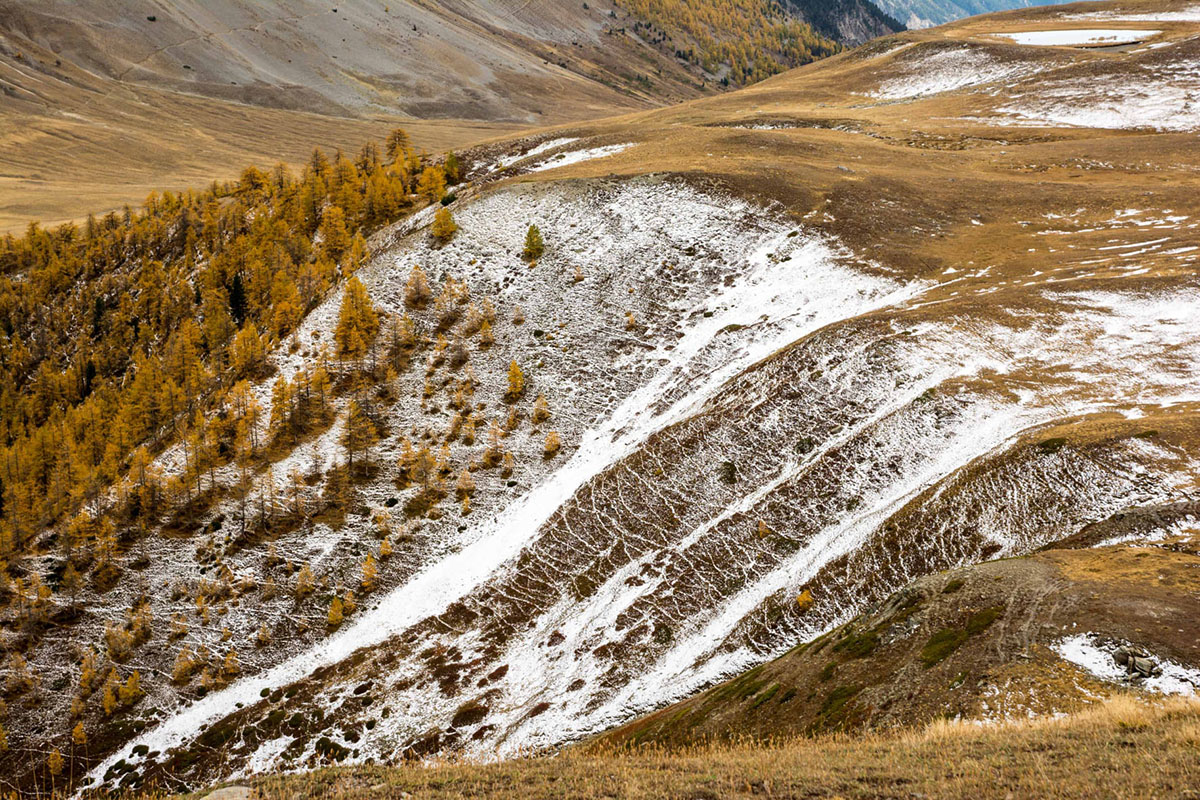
(541, 410)
(358, 322)
(335, 614)
(335, 238)
(444, 226)
(417, 293)
(360, 434)
(397, 145)
(370, 574)
(516, 382)
(432, 184)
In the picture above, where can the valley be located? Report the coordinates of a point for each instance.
(647, 430)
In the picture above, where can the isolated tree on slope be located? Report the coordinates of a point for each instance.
(535, 246)
(516, 382)
(444, 226)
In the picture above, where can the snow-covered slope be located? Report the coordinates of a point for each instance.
(854, 326)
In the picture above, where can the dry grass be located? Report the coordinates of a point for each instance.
(1123, 747)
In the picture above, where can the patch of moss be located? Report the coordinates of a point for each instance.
(982, 620)
(859, 645)
(765, 696)
(827, 671)
(952, 587)
(942, 644)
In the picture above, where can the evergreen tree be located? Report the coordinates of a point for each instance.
(535, 246)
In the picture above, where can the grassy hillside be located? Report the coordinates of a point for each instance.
(978, 643)
(1105, 751)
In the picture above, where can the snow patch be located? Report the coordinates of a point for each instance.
(949, 70)
(1079, 36)
(1082, 651)
(1160, 98)
(578, 156)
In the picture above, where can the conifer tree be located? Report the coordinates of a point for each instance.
(444, 226)
(335, 615)
(432, 184)
(360, 435)
(553, 444)
(397, 145)
(541, 410)
(131, 691)
(232, 665)
(465, 485)
(54, 762)
(516, 382)
(370, 573)
(453, 168)
(417, 293)
(335, 239)
(358, 322)
(79, 735)
(304, 582)
(535, 246)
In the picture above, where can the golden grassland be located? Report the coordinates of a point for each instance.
(1123, 747)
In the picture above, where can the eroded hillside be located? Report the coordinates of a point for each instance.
(888, 315)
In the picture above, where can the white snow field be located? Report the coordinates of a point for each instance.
(578, 156)
(1075, 37)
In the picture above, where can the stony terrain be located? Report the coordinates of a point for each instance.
(925, 304)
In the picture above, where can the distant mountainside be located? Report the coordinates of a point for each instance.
(105, 101)
(927, 13)
(848, 21)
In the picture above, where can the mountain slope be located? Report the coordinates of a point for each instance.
(926, 13)
(107, 101)
(905, 310)
(1003, 640)
(849, 23)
